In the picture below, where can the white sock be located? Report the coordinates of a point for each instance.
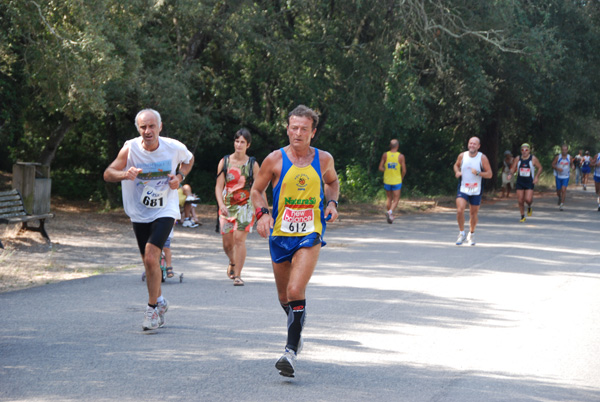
(160, 299)
(462, 232)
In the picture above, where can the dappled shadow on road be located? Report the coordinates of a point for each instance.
(221, 343)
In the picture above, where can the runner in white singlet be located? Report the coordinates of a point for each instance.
(150, 169)
(470, 168)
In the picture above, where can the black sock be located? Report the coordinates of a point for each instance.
(286, 308)
(152, 305)
(295, 323)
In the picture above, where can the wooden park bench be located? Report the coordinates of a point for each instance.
(12, 210)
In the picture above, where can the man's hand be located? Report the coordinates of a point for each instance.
(174, 181)
(264, 225)
(132, 173)
(331, 210)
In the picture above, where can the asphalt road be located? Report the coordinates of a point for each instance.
(395, 313)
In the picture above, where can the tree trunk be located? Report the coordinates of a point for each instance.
(54, 141)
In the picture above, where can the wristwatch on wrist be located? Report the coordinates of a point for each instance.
(334, 201)
(182, 175)
(260, 212)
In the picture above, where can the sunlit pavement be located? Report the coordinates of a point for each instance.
(395, 313)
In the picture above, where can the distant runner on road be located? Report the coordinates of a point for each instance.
(470, 168)
(393, 166)
(562, 165)
(528, 169)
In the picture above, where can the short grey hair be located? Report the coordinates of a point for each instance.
(156, 114)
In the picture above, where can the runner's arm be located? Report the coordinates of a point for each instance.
(486, 168)
(457, 166)
(219, 187)
(257, 194)
(183, 170)
(331, 185)
(554, 163)
(382, 162)
(114, 172)
(403, 163)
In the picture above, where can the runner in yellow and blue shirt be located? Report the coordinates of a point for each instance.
(305, 193)
(393, 166)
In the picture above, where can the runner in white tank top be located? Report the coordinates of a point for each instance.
(150, 170)
(562, 165)
(470, 168)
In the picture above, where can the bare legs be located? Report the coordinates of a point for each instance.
(461, 206)
(151, 260)
(234, 245)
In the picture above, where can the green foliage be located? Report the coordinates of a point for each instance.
(356, 185)
(74, 74)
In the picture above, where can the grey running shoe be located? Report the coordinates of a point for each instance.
(471, 238)
(461, 239)
(560, 207)
(388, 217)
(150, 319)
(286, 363)
(162, 309)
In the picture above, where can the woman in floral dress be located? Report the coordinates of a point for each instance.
(236, 214)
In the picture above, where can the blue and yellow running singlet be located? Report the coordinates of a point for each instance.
(298, 199)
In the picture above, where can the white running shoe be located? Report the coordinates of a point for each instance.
(560, 207)
(150, 318)
(389, 217)
(188, 223)
(286, 363)
(471, 239)
(162, 309)
(461, 239)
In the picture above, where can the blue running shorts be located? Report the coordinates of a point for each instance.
(560, 183)
(392, 187)
(283, 248)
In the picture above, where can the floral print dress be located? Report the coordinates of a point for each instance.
(236, 197)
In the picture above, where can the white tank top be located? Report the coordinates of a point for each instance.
(149, 196)
(564, 167)
(469, 183)
(597, 168)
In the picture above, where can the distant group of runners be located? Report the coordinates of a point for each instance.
(305, 186)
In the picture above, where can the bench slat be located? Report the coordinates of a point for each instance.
(12, 210)
(10, 192)
(12, 214)
(11, 198)
(10, 204)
